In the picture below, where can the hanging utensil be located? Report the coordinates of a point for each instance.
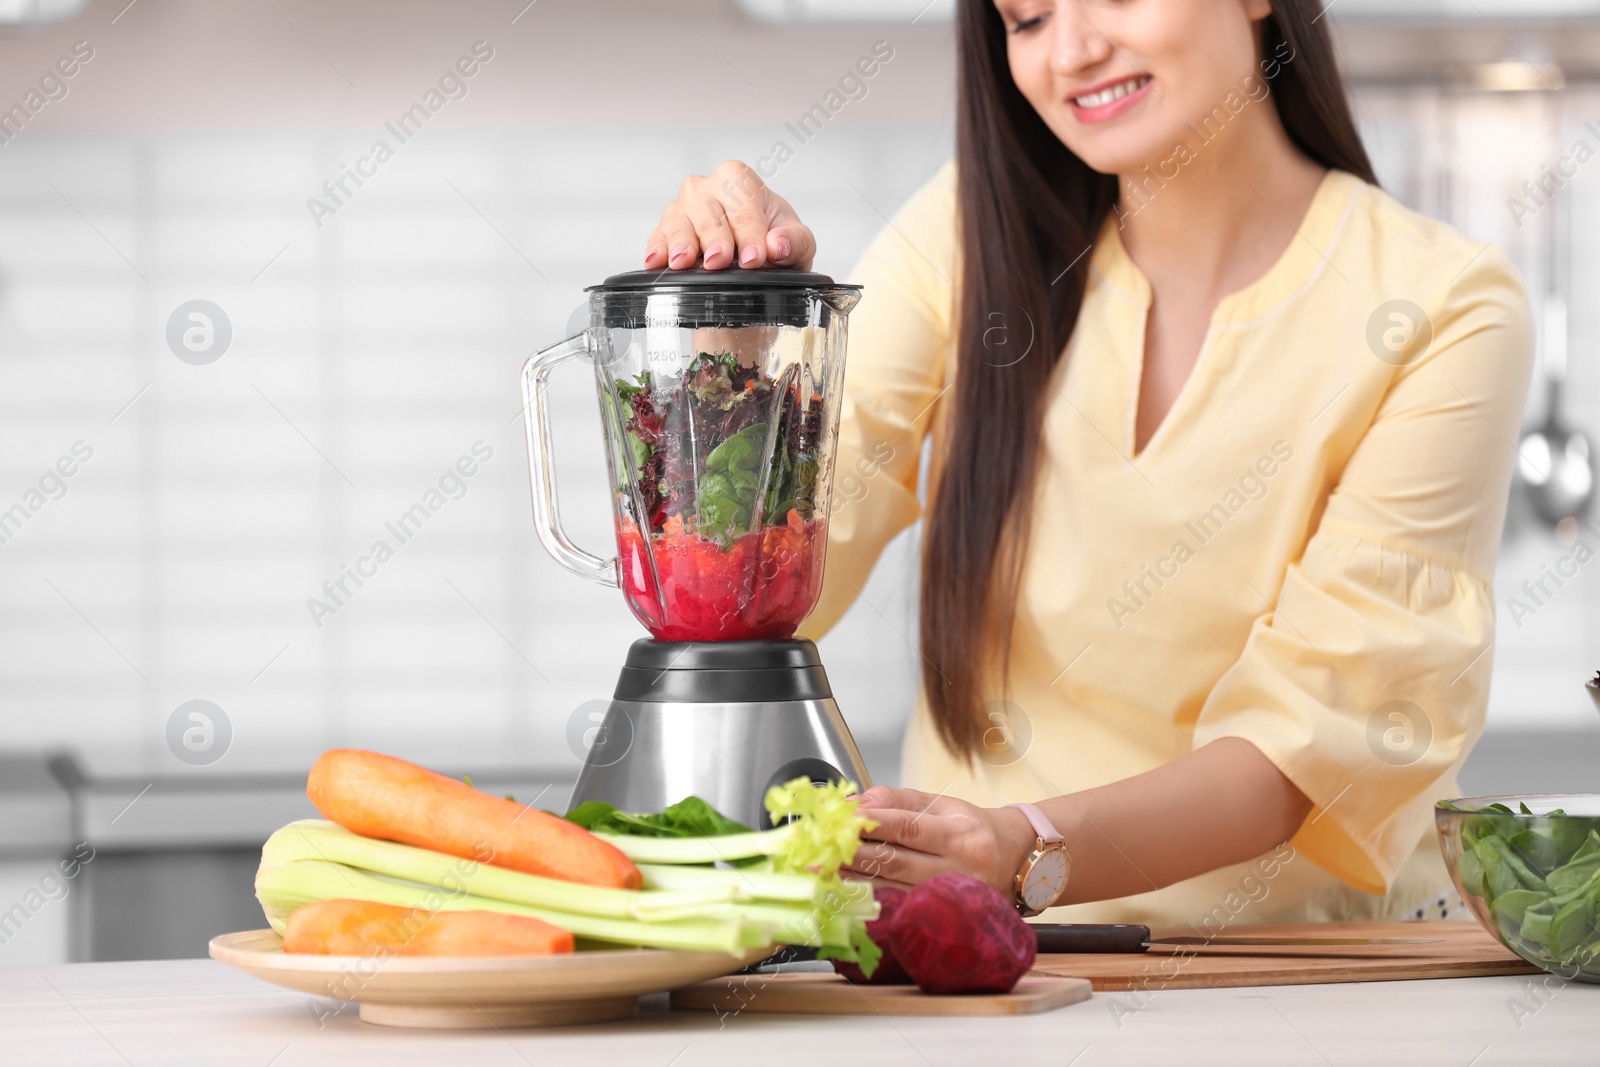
(1555, 460)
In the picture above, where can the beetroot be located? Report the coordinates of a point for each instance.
(956, 934)
(889, 971)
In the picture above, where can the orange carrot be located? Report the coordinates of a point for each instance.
(362, 928)
(380, 796)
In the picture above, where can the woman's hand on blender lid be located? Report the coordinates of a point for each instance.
(730, 218)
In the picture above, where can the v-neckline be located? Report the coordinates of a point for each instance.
(1297, 263)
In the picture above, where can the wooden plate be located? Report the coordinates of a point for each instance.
(589, 986)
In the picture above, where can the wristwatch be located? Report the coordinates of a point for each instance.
(1042, 878)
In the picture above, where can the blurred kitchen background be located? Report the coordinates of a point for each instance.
(372, 342)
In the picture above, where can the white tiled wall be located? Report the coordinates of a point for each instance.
(366, 359)
(369, 354)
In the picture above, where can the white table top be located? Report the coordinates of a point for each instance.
(200, 1012)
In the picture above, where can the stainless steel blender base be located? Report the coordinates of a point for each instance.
(648, 755)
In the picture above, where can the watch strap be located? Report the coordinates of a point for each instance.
(1041, 825)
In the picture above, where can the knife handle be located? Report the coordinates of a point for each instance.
(1091, 937)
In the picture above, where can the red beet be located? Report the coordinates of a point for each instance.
(956, 934)
(889, 971)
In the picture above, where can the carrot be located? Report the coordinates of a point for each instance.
(380, 796)
(362, 928)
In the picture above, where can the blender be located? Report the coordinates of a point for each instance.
(719, 404)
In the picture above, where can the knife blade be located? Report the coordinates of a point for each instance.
(1126, 937)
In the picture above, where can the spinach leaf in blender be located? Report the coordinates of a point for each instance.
(725, 501)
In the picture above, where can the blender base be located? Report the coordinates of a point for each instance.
(721, 721)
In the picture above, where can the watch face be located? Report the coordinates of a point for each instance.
(1046, 880)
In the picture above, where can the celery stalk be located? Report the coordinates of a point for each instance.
(823, 836)
(281, 887)
(700, 849)
(790, 925)
(745, 883)
(321, 840)
(857, 891)
(828, 921)
(819, 832)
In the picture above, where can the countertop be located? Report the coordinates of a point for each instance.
(200, 1012)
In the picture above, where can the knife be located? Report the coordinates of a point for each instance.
(1123, 937)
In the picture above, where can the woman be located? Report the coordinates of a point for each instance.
(1221, 444)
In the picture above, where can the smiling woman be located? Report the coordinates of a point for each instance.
(1252, 89)
(1171, 199)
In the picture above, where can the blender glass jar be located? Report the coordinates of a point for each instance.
(719, 397)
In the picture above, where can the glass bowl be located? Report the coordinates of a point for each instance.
(1529, 868)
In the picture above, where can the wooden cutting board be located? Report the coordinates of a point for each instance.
(808, 993)
(1463, 950)
(1457, 950)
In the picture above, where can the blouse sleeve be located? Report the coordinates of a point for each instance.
(894, 377)
(1367, 681)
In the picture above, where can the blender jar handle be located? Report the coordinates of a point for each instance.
(541, 470)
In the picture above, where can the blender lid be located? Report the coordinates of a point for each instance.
(698, 278)
(765, 296)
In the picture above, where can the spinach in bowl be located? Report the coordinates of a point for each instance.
(1532, 877)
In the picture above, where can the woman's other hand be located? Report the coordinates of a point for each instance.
(729, 216)
(922, 835)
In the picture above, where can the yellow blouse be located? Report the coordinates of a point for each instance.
(1301, 556)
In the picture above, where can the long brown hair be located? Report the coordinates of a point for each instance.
(1029, 212)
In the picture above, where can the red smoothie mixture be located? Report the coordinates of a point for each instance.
(762, 585)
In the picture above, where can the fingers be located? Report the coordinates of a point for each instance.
(894, 864)
(853, 876)
(790, 242)
(914, 829)
(674, 242)
(729, 217)
(881, 796)
(791, 246)
(656, 249)
(744, 198)
(912, 800)
(718, 247)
